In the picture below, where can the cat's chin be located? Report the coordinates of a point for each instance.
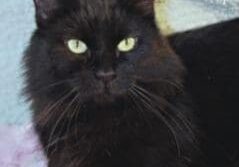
(108, 98)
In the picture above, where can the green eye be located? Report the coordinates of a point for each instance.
(127, 44)
(77, 46)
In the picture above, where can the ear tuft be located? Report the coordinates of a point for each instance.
(44, 10)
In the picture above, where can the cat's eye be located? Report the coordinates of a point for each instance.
(77, 46)
(127, 44)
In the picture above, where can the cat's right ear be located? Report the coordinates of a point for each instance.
(45, 9)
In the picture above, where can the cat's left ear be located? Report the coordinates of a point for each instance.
(45, 9)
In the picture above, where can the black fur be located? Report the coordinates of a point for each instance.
(211, 56)
(143, 118)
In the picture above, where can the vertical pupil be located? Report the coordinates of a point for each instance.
(77, 44)
(126, 41)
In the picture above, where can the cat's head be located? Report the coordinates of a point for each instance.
(100, 49)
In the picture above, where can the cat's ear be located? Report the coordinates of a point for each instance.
(45, 10)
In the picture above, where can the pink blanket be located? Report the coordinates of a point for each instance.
(19, 147)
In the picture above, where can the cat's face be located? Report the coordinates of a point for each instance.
(99, 48)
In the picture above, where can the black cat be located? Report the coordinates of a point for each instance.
(107, 90)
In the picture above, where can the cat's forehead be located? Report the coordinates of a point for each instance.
(98, 14)
(107, 18)
(101, 9)
(48, 11)
(108, 8)
(94, 6)
(101, 3)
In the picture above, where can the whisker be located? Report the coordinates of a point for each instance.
(73, 114)
(178, 116)
(45, 113)
(60, 118)
(181, 117)
(56, 104)
(147, 102)
(158, 100)
(76, 117)
(66, 110)
(50, 86)
(139, 106)
(134, 98)
(55, 142)
(174, 84)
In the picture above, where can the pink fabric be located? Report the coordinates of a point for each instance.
(19, 147)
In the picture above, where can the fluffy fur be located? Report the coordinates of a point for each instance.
(142, 117)
(210, 55)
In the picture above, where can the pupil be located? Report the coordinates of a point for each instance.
(127, 42)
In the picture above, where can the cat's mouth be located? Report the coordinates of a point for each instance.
(103, 93)
(104, 98)
(108, 94)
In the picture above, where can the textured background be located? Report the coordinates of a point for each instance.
(17, 23)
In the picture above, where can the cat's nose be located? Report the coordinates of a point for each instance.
(106, 76)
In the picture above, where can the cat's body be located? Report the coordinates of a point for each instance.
(108, 107)
(211, 56)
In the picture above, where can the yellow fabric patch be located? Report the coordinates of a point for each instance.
(162, 18)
